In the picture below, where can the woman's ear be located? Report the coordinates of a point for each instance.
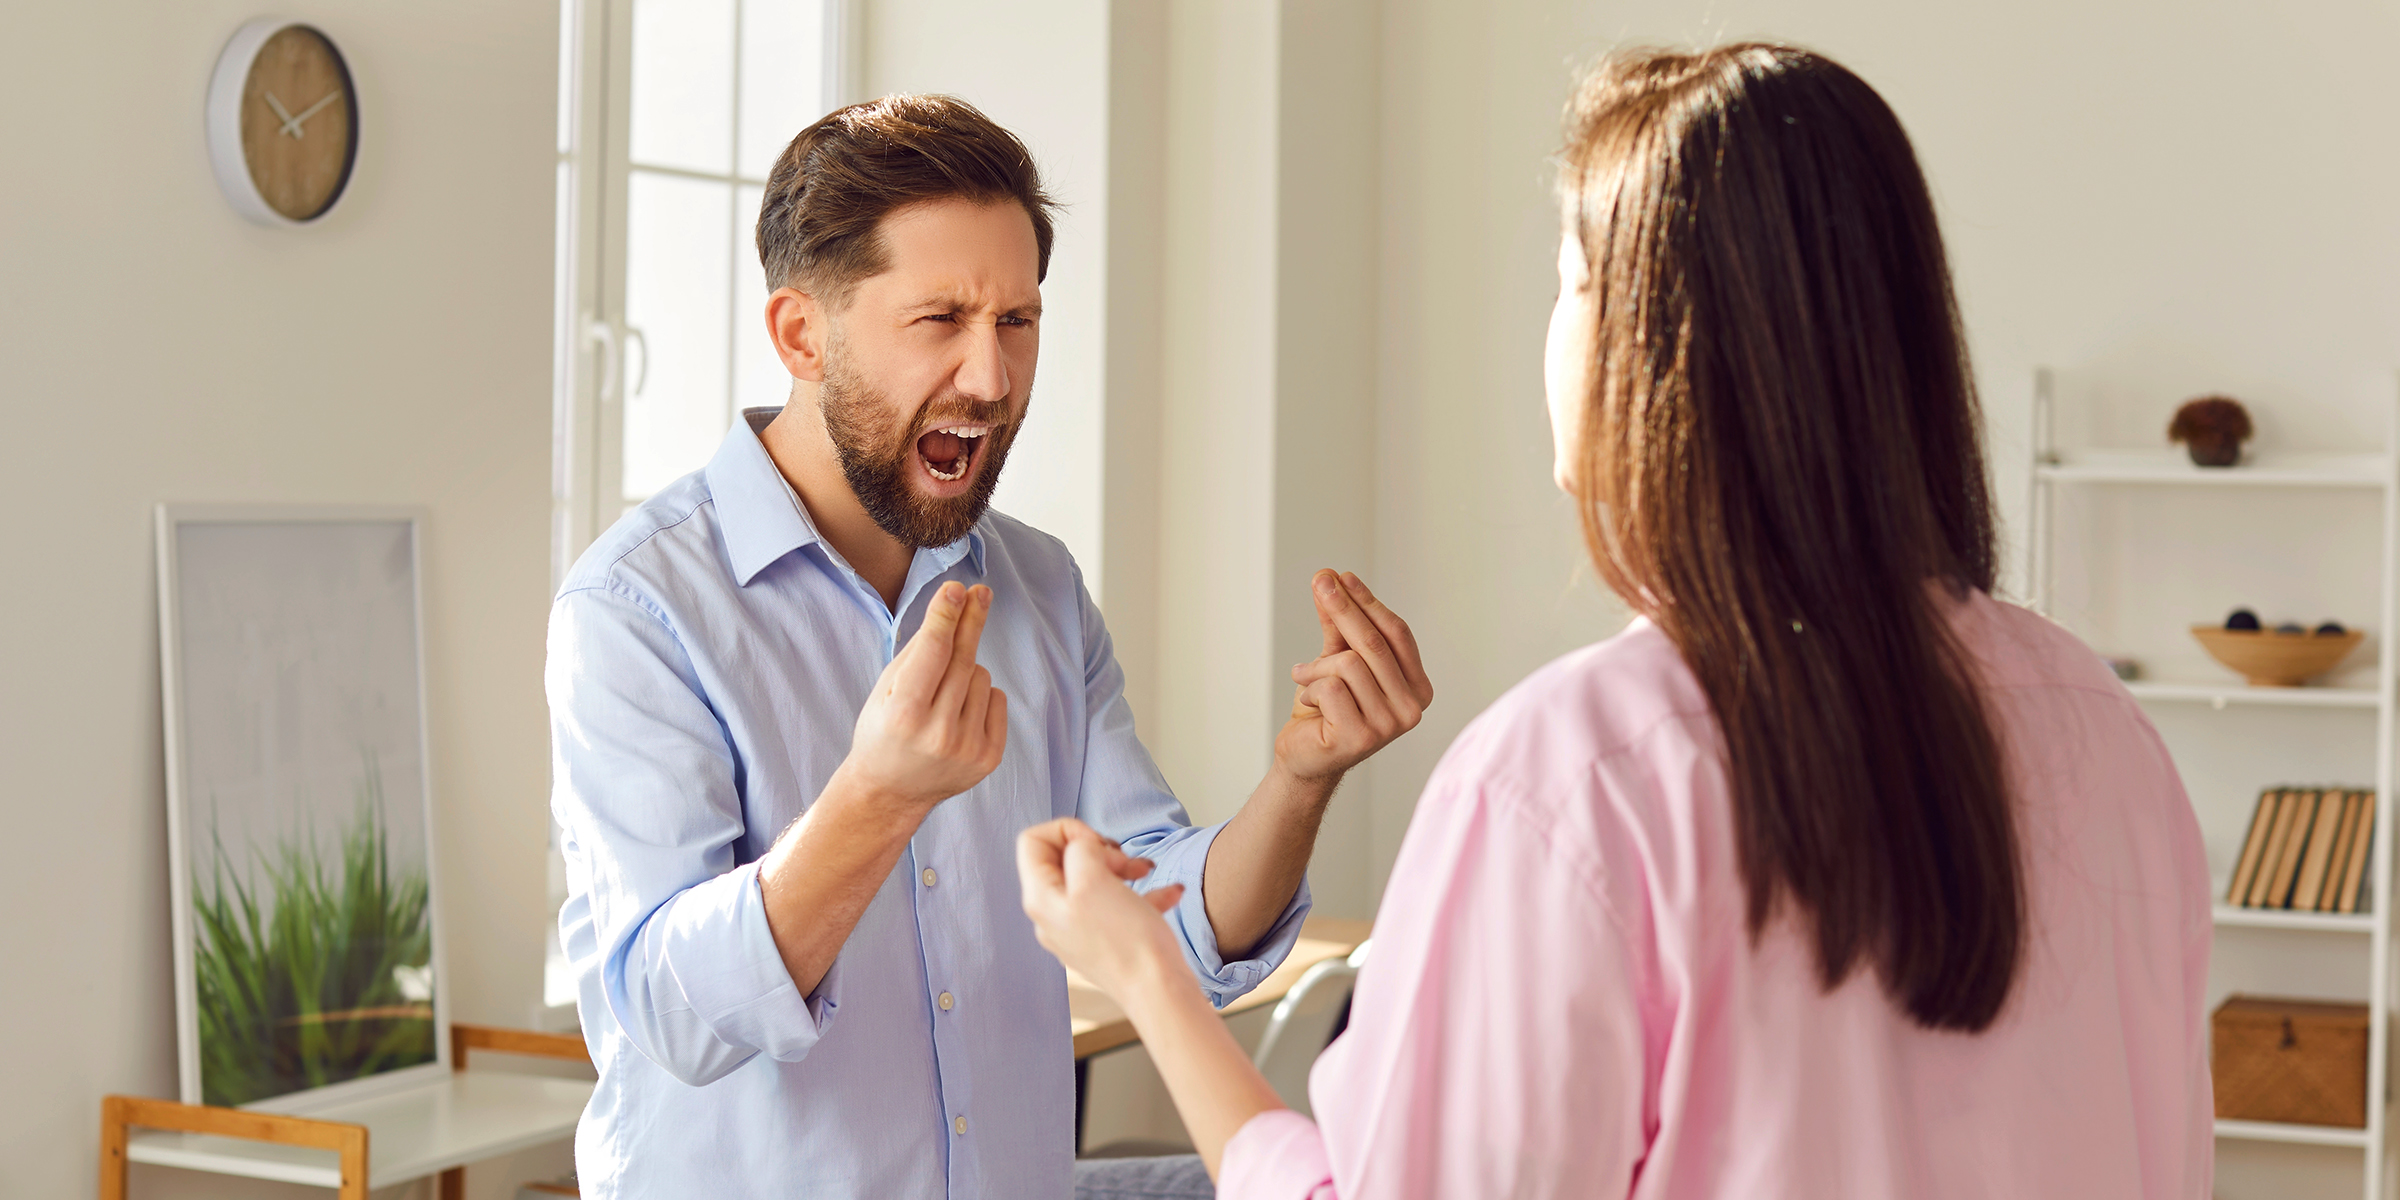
(796, 324)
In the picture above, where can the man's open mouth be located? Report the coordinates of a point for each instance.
(949, 451)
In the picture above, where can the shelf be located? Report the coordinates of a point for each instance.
(2306, 1135)
(2222, 694)
(2284, 918)
(2174, 467)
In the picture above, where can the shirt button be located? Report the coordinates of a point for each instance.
(946, 1008)
(929, 877)
(960, 1125)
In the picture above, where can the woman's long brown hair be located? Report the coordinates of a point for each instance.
(1781, 465)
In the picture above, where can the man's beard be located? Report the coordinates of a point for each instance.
(877, 454)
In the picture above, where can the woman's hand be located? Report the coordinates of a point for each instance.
(1074, 884)
(1075, 891)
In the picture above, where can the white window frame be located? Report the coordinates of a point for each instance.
(594, 347)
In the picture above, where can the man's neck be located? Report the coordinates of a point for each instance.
(797, 442)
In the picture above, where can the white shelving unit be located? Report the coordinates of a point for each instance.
(2054, 468)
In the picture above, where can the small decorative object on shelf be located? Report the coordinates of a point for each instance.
(2212, 429)
(2307, 850)
(2300, 1062)
(2123, 668)
(2287, 656)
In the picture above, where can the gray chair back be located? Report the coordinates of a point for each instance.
(1301, 1025)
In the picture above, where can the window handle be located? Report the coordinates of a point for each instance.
(597, 332)
(633, 337)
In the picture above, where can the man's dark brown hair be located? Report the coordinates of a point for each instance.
(844, 174)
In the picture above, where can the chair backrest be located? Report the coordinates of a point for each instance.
(1302, 1024)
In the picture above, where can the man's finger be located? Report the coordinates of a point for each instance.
(1384, 713)
(1368, 643)
(1321, 588)
(918, 669)
(995, 729)
(1332, 699)
(1403, 639)
(958, 673)
(1164, 899)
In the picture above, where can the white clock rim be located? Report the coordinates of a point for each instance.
(224, 120)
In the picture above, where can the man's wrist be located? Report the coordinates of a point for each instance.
(1316, 790)
(860, 798)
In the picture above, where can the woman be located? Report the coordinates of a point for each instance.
(1831, 875)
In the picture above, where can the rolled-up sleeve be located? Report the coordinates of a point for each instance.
(661, 922)
(1124, 797)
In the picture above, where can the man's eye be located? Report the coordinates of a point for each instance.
(1016, 321)
(945, 317)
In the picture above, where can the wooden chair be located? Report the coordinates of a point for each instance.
(432, 1129)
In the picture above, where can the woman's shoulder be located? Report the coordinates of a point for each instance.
(2016, 647)
(1601, 701)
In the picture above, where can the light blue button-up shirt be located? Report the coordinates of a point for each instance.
(708, 657)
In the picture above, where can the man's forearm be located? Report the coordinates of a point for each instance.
(819, 877)
(1258, 860)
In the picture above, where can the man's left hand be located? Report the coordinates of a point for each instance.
(1365, 689)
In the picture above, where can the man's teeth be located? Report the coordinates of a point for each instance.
(958, 466)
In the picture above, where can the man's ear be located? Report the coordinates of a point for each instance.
(796, 324)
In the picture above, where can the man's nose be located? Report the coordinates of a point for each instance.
(983, 374)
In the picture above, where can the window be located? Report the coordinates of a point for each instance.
(671, 113)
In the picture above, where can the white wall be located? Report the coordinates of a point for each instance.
(159, 348)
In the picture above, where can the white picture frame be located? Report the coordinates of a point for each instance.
(283, 630)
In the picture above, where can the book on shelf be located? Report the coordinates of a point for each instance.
(2322, 833)
(2307, 850)
(2245, 868)
(2300, 816)
(2355, 877)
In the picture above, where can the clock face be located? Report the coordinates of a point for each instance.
(299, 123)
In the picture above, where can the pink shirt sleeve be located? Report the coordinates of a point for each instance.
(1496, 1043)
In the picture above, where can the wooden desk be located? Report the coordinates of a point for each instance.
(1100, 1025)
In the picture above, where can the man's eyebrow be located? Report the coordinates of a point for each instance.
(949, 303)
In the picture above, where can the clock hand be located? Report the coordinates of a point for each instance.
(313, 109)
(288, 126)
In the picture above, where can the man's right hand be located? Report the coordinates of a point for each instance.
(935, 725)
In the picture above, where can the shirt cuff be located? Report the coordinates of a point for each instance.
(1182, 857)
(1276, 1155)
(729, 971)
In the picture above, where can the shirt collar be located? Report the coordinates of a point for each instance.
(762, 516)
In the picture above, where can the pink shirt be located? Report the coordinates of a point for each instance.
(1562, 999)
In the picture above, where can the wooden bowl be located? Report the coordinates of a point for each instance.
(2269, 659)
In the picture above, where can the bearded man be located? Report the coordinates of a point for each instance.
(803, 700)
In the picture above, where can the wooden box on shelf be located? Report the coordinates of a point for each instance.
(2299, 1062)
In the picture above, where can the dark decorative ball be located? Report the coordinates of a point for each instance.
(2331, 629)
(2241, 618)
(2212, 429)
(2291, 629)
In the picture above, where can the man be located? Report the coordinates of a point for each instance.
(804, 699)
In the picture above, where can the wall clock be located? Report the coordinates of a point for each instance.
(282, 122)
